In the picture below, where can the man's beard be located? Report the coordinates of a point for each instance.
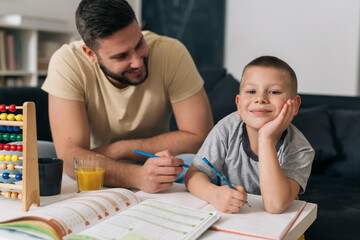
(122, 79)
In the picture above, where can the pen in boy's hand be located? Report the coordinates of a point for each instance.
(222, 177)
(154, 156)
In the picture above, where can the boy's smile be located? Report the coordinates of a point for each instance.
(263, 93)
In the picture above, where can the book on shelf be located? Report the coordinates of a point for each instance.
(252, 222)
(113, 213)
(14, 81)
(2, 51)
(10, 51)
(35, 22)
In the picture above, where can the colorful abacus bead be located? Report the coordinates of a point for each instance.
(6, 136)
(16, 129)
(9, 128)
(19, 117)
(13, 147)
(19, 148)
(15, 158)
(2, 108)
(18, 176)
(11, 166)
(19, 137)
(3, 166)
(2, 157)
(8, 158)
(14, 195)
(4, 128)
(1, 146)
(7, 147)
(5, 175)
(11, 117)
(20, 196)
(7, 194)
(12, 108)
(3, 116)
(15, 137)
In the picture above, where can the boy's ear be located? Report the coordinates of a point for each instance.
(91, 54)
(298, 102)
(237, 101)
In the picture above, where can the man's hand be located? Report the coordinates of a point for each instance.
(229, 200)
(160, 173)
(276, 127)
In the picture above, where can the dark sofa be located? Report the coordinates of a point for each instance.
(331, 124)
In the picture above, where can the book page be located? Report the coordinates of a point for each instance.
(177, 194)
(75, 214)
(152, 219)
(256, 222)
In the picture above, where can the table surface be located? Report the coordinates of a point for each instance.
(69, 188)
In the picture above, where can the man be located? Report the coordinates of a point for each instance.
(114, 92)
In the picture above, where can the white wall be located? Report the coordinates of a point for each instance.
(57, 9)
(318, 38)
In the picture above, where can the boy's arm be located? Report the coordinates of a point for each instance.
(222, 198)
(277, 190)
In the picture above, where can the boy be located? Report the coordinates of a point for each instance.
(256, 148)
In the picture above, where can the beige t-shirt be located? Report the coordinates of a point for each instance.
(133, 112)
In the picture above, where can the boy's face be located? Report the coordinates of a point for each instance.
(263, 93)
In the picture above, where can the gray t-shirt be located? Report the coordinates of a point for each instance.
(226, 147)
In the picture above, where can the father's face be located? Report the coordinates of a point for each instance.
(136, 79)
(123, 56)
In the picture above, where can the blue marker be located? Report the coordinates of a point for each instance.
(221, 176)
(154, 156)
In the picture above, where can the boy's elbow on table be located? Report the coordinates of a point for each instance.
(276, 207)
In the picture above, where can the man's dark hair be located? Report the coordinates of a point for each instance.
(100, 18)
(274, 62)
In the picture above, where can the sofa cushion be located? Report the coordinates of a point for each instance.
(347, 132)
(211, 77)
(338, 202)
(222, 97)
(314, 123)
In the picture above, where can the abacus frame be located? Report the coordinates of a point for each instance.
(30, 180)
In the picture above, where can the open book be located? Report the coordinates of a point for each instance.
(256, 222)
(114, 213)
(252, 222)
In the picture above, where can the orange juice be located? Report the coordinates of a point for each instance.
(90, 178)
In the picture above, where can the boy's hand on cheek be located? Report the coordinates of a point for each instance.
(228, 200)
(275, 128)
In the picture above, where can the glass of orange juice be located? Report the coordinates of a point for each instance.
(89, 170)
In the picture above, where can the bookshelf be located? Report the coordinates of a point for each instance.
(30, 48)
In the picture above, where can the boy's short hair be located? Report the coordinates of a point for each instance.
(273, 62)
(101, 18)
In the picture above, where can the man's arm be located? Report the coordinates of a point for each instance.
(194, 119)
(71, 135)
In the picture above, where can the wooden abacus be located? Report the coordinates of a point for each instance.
(30, 192)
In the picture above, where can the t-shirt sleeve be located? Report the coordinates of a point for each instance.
(214, 150)
(65, 78)
(182, 77)
(299, 157)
